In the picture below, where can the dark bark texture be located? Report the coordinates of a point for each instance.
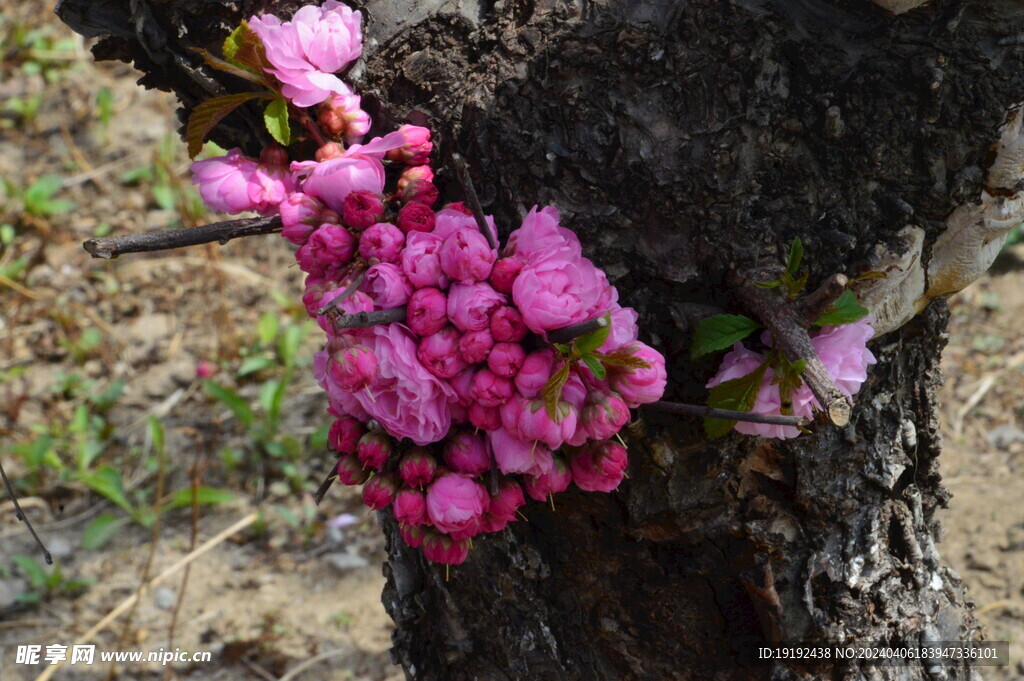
(682, 140)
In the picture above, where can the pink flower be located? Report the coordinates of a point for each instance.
(300, 215)
(351, 471)
(341, 402)
(462, 384)
(359, 168)
(504, 273)
(490, 389)
(466, 256)
(438, 548)
(475, 345)
(507, 325)
(641, 386)
(379, 491)
(353, 368)
(484, 418)
(603, 415)
(427, 311)
(340, 115)
(439, 353)
(599, 467)
(466, 453)
(555, 293)
(456, 503)
(504, 506)
(844, 352)
(330, 246)
(410, 507)
(417, 147)
(306, 51)
(623, 329)
(506, 358)
(455, 216)
(387, 285)
(540, 238)
(517, 456)
(556, 480)
(361, 209)
(419, 191)
(206, 369)
(534, 423)
(741, 362)
(470, 305)
(417, 467)
(421, 260)
(344, 434)
(236, 183)
(411, 174)
(382, 241)
(535, 372)
(373, 449)
(409, 402)
(415, 217)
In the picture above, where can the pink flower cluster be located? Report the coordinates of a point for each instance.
(842, 349)
(441, 415)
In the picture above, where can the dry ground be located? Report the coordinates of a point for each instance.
(302, 581)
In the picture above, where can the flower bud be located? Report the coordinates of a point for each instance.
(329, 247)
(484, 418)
(439, 548)
(412, 174)
(505, 359)
(439, 353)
(535, 372)
(427, 311)
(533, 422)
(456, 504)
(410, 507)
(351, 471)
(470, 305)
(412, 534)
(386, 284)
(421, 260)
(382, 241)
(379, 491)
(362, 209)
(491, 390)
(603, 415)
(353, 368)
(344, 434)
(466, 453)
(466, 256)
(373, 449)
(417, 147)
(556, 480)
(340, 115)
(641, 386)
(599, 466)
(504, 274)
(300, 215)
(329, 151)
(415, 217)
(507, 325)
(274, 155)
(474, 346)
(417, 467)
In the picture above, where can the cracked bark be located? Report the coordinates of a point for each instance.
(682, 140)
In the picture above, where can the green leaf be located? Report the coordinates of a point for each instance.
(156, 434)
(33, 571)
(253, 365)
(622, 358)
(164, 197)
(289, 342)
(107, 483)
(275, 116)
(232, 401)
(247, 49)
(720, 332)
(845, 310)
(595, 366)
(208, 114)
(267, 392)
(204, 496)
(234, 41)
(102, 530)
(552, 390)
(267, 327)
(796, 255)
(595, 339)
(738, 394)
(232, 68)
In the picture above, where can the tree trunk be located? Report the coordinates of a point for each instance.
(682, 141)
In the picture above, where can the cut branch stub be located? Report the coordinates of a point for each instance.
(567, 333)
(474, 201)
(789, 330)
(221, 232)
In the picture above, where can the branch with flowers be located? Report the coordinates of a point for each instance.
(451, 358)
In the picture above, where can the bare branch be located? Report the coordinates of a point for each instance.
(474, 201)
(362, 319)
(567, 333)
(816, 303)
(221, 232)
(20, 515)
(728, 414)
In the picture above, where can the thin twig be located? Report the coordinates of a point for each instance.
(361, 319)
(474, 201)
(321, 491)
(567, 333)
(20, 515)
(728, 414)
(128, 602)
(221, 232)
(306, 664)
(349, 290)
(816, 303)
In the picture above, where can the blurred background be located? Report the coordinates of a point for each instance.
(149, 402)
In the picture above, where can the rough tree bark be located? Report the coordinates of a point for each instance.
(683, 140)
